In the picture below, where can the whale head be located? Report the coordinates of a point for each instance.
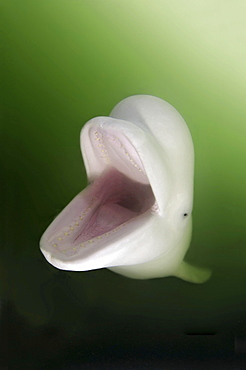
(135, 216)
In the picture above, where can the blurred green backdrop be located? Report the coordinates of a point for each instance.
(66, 61)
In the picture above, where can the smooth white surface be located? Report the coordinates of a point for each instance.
(147, 140)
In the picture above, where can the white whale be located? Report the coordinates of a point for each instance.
(135, 215)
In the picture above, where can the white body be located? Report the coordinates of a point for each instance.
(147, 141)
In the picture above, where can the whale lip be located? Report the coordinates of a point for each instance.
(114, 204)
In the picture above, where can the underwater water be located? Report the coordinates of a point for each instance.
(65, 62)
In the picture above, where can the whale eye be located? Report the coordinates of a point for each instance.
(185, 214)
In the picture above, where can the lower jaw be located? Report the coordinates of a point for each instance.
(110, 203)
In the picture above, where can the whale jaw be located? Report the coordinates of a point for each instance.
(96, 218)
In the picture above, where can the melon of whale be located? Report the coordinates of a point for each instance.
(135, 215)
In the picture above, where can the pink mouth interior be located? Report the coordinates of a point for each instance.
(119, 199)
(101, 210)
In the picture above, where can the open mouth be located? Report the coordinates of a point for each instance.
(110, 205)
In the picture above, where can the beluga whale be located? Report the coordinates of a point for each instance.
(135, 215)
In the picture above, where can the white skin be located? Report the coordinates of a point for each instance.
(135, 216)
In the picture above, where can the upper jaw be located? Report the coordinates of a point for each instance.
(108, 142)
(133, 150)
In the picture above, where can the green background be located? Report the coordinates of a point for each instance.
(64, 62)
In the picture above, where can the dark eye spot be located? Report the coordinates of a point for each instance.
(185, 214)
